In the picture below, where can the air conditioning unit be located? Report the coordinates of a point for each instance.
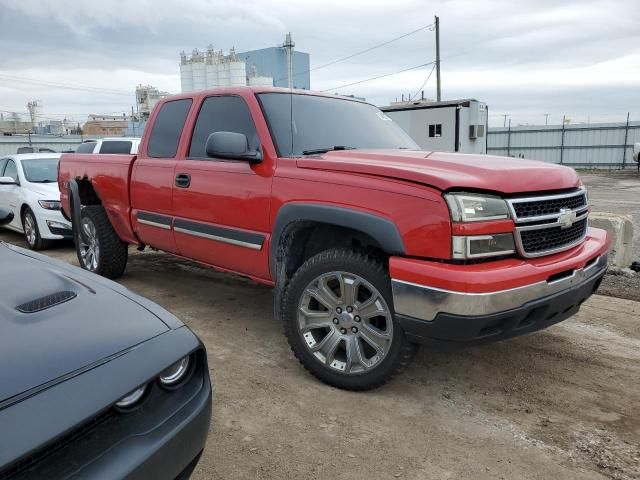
(476, 131)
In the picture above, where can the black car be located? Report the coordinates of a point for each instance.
(95, 381)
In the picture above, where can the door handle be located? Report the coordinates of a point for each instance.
(183, 180)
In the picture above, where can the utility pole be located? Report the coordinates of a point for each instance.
(504, 122)
(439, 95)
(546, 118)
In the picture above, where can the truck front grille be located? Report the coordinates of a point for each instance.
(538, 208)
(549, 224)
(554, 238)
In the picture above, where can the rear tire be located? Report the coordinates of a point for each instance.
(32, 232)
(338, 318)
(102, 252)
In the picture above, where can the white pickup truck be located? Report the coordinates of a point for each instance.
(115, 145)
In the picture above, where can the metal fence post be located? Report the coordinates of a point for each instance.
(509, 139)
(624, 145)
(562, 141)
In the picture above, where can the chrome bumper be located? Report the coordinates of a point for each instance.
(425, 303)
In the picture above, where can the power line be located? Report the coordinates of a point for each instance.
(379, 76)
(66, 85)
(383, 44)
(425, 80)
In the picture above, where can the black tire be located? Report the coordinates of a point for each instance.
(111, 259)
(374, 272)
(33, 238)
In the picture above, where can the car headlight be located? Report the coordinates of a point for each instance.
(479, 246)
(50, 204)
(175, 373)
(131, 398)
(466, 207)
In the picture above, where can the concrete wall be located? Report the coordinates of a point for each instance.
(620, 227)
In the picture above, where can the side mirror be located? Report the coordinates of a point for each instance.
(232, 146)
(5, 216)
(7, 181)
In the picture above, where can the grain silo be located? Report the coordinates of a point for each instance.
(256, 80)
(237, 70)
(211, 68)
(186, 75)
(198, 69)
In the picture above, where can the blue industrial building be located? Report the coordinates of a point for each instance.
(272, 62)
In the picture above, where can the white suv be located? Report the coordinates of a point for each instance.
(29, 189)
(117, 145)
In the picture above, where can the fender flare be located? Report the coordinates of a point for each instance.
(383, 230)
(75, 210)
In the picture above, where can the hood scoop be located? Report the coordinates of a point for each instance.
(48, 301)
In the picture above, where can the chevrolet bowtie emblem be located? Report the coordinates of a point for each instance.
(566, 218)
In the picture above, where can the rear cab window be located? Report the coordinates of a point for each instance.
(167, 128)
(115, 146)
(86, 147)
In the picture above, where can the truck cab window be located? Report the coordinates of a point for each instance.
(222, 114)
(167, 128)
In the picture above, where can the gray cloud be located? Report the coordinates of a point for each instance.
(117, 44)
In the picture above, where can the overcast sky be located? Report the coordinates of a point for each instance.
(524, 58)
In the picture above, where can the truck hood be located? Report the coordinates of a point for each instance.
(56, 341)
(446, 171)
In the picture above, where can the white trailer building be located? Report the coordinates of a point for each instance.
(449, 126)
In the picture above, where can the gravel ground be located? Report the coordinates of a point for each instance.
(618, 193)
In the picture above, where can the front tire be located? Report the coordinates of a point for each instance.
(338, 316)
(32, 232)
(102, 251)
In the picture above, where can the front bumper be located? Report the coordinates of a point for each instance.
(538, 293)
(52, 225)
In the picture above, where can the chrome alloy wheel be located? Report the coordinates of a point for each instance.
(89, 247)
(345, 322)
(30, 230)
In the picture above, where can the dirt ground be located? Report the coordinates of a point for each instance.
(563, 403)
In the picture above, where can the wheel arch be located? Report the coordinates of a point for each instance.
(296, 222)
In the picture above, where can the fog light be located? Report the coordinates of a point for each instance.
(483, 246)
(60, 225)
(175, 373)
(131, 398)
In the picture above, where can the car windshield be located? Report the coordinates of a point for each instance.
(307, 124)
(41, 170)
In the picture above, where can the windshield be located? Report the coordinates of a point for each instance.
(42, 170)
(324, 123)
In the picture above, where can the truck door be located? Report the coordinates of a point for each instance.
(152, 177)
(221, 207)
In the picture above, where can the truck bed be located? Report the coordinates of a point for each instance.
(109, 175)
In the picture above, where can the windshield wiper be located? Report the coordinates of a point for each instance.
(326, 149)
(42, 181)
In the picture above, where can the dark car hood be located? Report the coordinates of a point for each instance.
(449, 170)
(36, 348)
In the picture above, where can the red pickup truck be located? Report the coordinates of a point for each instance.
(372, 246)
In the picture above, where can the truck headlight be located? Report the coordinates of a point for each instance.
(466, 207)
(50, 204)
(479, 246)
